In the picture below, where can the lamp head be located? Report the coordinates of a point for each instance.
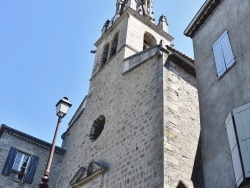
(62, 107)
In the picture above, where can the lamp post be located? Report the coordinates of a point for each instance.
(61, 110)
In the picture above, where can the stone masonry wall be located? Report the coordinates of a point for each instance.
(120, 28)
(131, 142)
(7, 141)
(135, 35)
(131, 35)
(134, 140)
(182, 160)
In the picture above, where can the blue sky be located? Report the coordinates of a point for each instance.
(45, 55)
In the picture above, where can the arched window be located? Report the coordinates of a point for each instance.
(105, 54)
(148, 41)
(114, 45)
(148, 7)
(97, 128)
(90, 169)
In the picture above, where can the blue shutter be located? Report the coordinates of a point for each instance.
(227, 50)
(219, 58)
(238, 171)
(31, 169)
(9, 161)
(242, 121)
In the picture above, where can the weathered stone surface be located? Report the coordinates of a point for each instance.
(151, 132)
(181, 126)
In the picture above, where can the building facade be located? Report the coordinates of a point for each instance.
(23, 159)
(139, 124)
(221, 40)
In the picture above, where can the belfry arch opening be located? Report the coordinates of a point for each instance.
(105, 54)
(148, 41)
(148, 7)
(114, 45)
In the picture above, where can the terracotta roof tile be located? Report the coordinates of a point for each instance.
(181, 54)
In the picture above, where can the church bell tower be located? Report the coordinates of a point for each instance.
(131, 30)
(138, 126)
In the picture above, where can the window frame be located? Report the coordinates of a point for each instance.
(17, 173)
(237, 125)
(8, 169)
(223, 54)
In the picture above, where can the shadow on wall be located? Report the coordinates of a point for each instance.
(181, 185)
(197, 175)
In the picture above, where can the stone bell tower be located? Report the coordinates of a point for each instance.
(135, 30)
(139, 124)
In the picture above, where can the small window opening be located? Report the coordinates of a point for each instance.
(114, 45)
(97, 128)
(90, 169)
(105, 54)
(149, 41)
(148, 7)
(20, 165)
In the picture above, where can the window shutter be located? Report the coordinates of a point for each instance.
(238, 171)
(227, 50)
(242, 121)
(219, 59)
(31, 169)
(9, 161)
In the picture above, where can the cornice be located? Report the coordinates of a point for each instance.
(202, 15)
(29, 138)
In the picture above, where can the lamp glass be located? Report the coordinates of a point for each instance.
(62, 107)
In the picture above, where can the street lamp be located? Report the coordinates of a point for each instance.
(61, 110)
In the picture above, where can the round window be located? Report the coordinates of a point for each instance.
(97, 128)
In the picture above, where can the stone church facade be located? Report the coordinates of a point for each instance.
(139, 124)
